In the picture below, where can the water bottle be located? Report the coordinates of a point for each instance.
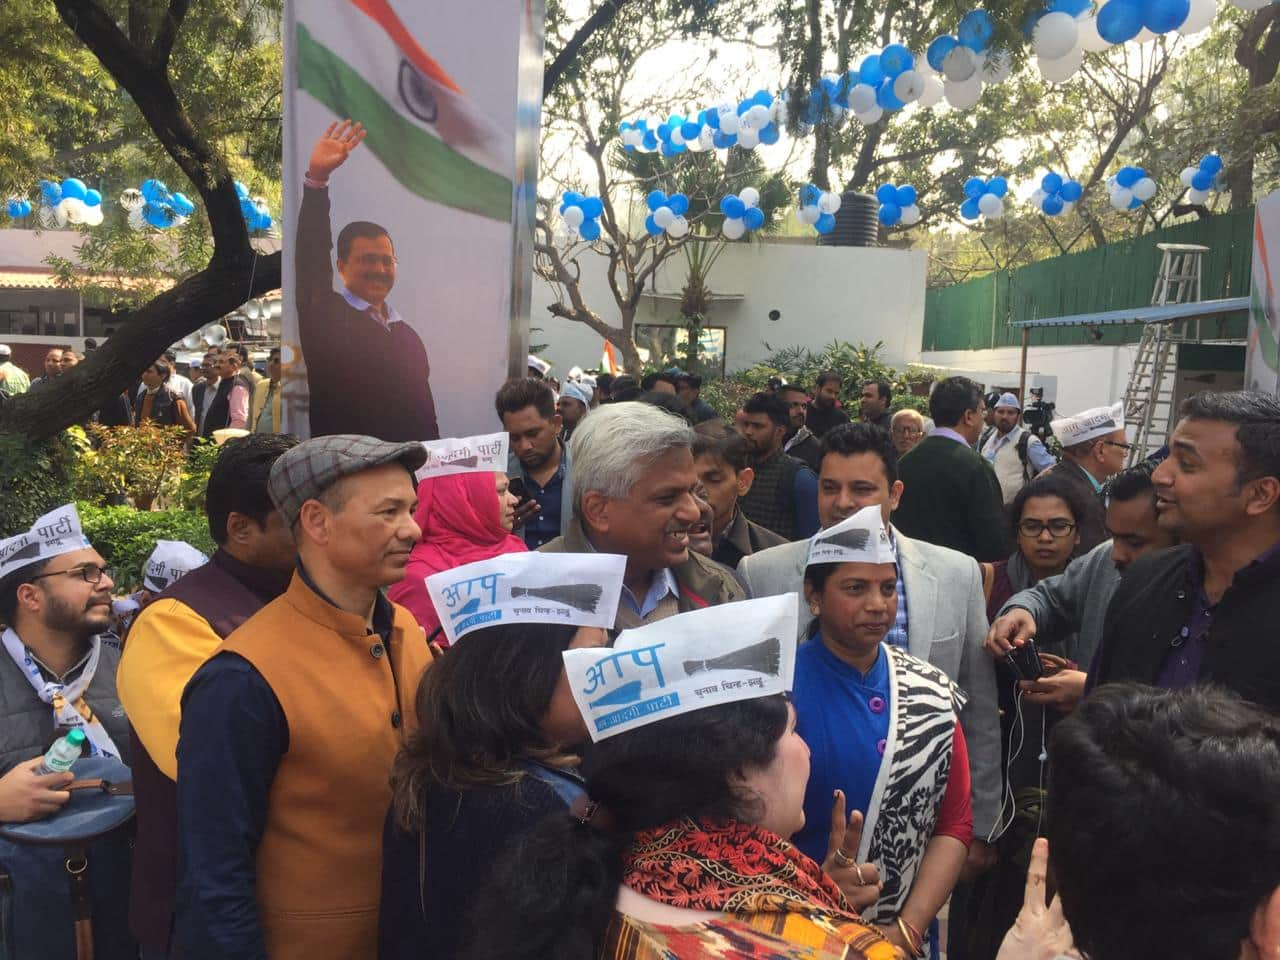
(64, 752)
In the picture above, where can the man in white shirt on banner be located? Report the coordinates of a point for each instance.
(1014, 452)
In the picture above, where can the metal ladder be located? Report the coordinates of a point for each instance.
(1148, 398)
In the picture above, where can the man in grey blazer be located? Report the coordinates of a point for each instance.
(941, 611)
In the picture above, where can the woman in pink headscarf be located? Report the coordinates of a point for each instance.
(464, 517)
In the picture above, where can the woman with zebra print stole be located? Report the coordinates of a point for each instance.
(883, 729)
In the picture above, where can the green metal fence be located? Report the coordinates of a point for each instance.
(975, 315)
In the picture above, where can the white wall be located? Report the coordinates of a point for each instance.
(856, 294)
(23, 249)
(1075, 377)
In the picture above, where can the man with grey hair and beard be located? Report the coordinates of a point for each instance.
(633, 479)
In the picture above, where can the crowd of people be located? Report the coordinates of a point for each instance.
(795, 683)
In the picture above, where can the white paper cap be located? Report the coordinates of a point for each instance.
(720, 654)
(861, 538)
(483, 454)
(171, 560)
(1089, 424)
(575, 588)
(57, 532)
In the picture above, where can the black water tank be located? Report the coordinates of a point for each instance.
(857, 222)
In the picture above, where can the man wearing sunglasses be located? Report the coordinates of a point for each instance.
(1093, 451)
(56, 674)
(367, 368)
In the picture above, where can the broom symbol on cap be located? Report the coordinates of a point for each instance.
(470, 461)
(580, 596)
(762, 657)
(852, 539)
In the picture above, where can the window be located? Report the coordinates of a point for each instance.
(663, 346)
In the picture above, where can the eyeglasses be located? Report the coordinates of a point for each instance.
(906, 431)
(1057, 528)
(1116, 443)
(89, 572)
(376, 260)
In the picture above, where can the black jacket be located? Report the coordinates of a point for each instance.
(1093, 525)
(1152, 604)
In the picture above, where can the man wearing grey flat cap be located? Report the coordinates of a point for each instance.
(289, 731)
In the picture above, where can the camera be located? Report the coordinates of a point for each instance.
(1038, 415)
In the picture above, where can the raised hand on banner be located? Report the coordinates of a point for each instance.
(331, 150)
(860, 882)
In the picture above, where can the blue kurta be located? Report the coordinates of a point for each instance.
(844, 718)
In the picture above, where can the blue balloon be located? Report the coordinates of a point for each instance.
(642, 124)
(1161, 16)
(809, 195)
(1211, 164)
(723, 141)
(976, 30)
(974, 187)
(624, 126)
(887, 193)
(886, 98)
(1051, 182)
(733, 207)
(590, 230)
(15, 209)
(826, 223)
(241, 190)
(664, 131)
(157, 215)
(26, 208)
(969, 209)
(1135, 203)
(571, 198)
(51, 192)
(1119, 21)
(678, 203)
(1202, 180)
(769, 135)
(655, 199)
(753, 218)
(650, 140)
(906, 196)
(73, 189)
(1052, 205)
(713, 119)
(652, 228)
(154, 190)
(998, 186)
(1071, 191)
(1074, 7)
(869, 71)
(265, 221)
(828, 85)
(939, 49)
(763, 97)
(1128, 176)
(592, 207)
(690, 130)
(92, 198)
(896, 59)
(248, 210)
(890, 213)
(182, 206)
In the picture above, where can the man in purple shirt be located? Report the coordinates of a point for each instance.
(1205, 611)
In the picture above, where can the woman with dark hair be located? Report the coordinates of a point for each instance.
(465, 518)
(884, 730)
(678, 850)
(493, 755)
(158, 403)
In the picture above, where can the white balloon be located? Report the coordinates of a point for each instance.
(132, 199)
(1090, 40)
(959, 64)
(733, 229)
(663, 217)
(1187, 174)
(93, 215)
(48, 217)
(749, 138)
(809, 215)
(996, 66)
(678, 227)
(677, 137)
(760, 116)
(136, 221)
(1067, 207)
(70, 210)
(694, 145)
(1037, 198)
(829, 203)
(1200, 16)
(1197, 196)
(574, 216)
(1144, 189)
(963, 94)
(862, 98)
(1054, 36)
(910, 215)
(1059, 71)
(990, 205)
(729, 123)
(1121, 197)
(908, 86)
(750, 197)
(707, 139)
(932, 91)
(871, 116)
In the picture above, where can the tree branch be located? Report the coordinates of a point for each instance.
(601, 18)
(168, 32)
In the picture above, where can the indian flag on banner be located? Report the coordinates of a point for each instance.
(607, 362)
(359, 60)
